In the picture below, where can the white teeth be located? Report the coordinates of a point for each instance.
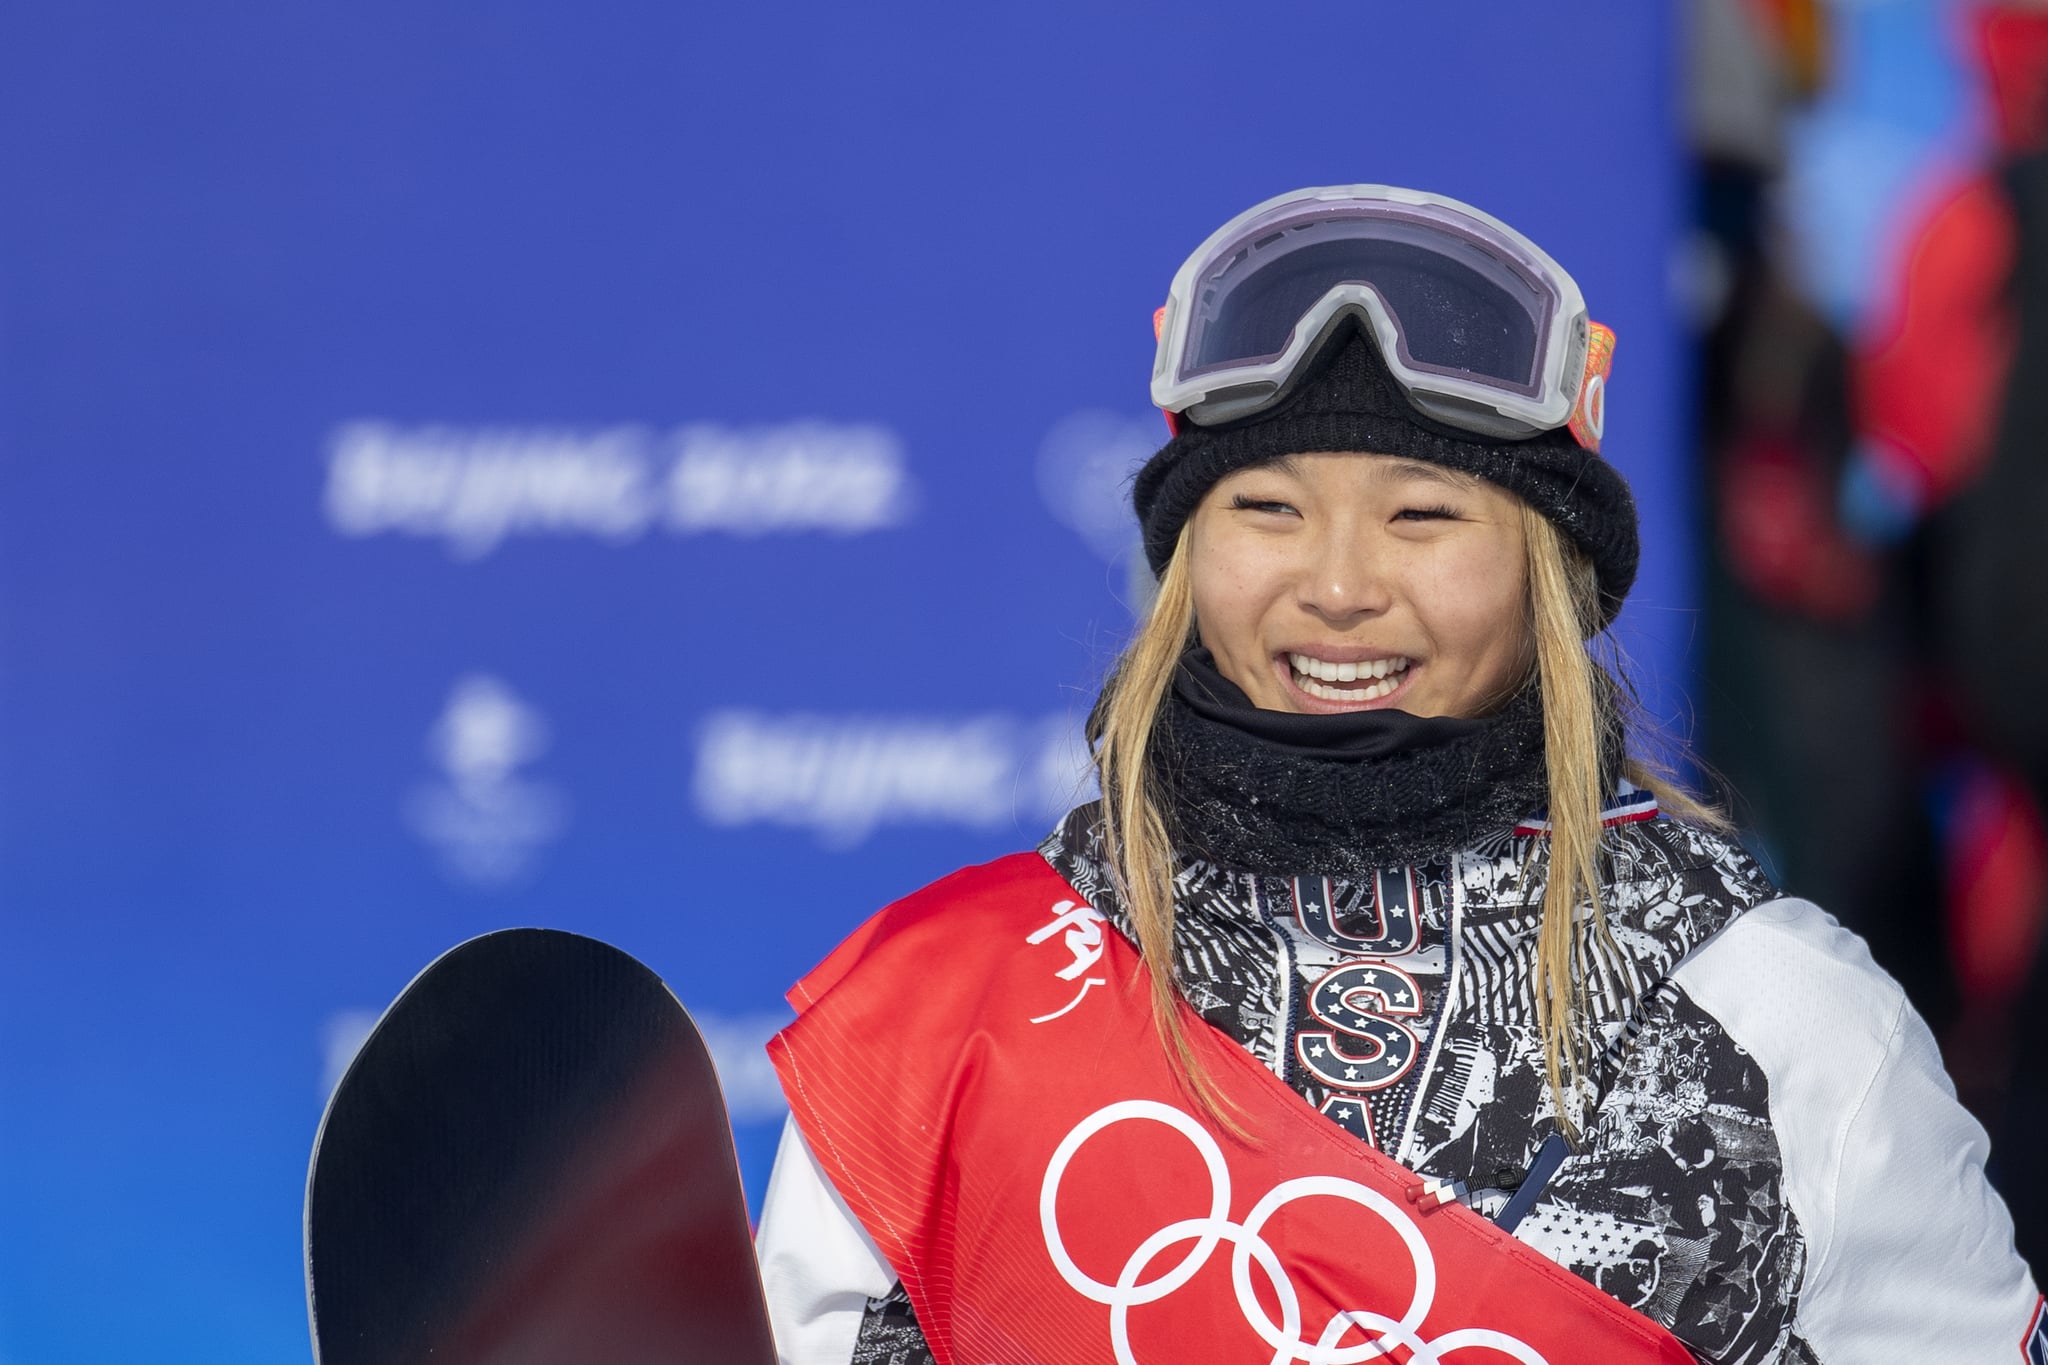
(1313, 675)
(1328, 693)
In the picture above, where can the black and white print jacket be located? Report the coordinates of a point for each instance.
(1772, 1163)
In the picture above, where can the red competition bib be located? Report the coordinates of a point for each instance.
(977, 1071)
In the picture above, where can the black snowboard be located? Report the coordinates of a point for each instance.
(528, 1163)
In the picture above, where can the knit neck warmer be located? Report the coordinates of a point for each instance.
(1279, 793)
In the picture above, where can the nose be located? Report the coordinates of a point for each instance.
(1345, 577)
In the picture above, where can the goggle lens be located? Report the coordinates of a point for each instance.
(1456, 311)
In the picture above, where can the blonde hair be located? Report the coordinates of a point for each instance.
(1579, 726)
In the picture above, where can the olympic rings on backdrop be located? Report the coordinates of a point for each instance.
(1131, 1289)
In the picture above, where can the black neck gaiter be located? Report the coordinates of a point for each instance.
(1278, 792)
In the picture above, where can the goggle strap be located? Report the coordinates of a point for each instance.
(1159, 327)
(1589, 414)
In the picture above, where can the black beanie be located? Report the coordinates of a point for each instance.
(1349, 402)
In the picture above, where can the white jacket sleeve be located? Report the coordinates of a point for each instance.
(819, 1267)
(1909, 1251)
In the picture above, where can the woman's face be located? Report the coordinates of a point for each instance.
(1328, 583)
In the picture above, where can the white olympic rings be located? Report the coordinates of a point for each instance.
(1131, 1290)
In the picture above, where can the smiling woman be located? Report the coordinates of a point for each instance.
(1458, 602)
(1378, 920)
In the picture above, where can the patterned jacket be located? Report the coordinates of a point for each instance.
(1772, 1162)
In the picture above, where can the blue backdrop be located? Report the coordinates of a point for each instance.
(647, 469)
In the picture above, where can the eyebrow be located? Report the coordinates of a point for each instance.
(1428, 473)
(1394, 471)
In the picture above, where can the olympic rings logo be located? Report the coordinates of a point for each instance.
(1247, 1246)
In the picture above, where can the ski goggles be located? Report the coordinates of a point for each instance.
(1478, 325)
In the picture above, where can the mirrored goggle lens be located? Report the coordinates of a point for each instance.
(1458, 309)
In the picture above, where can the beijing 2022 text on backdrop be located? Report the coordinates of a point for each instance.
(652, 469)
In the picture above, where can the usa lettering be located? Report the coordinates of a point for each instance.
(1363, 1046)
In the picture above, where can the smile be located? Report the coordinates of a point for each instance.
(1340, 682)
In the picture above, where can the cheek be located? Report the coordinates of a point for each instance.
(1232, 588)
(1226, 611)
(1476, 613)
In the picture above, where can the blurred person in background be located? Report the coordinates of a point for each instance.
(1877, 645)
(1951, 473)
(1800, 690)
(1365, 784)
